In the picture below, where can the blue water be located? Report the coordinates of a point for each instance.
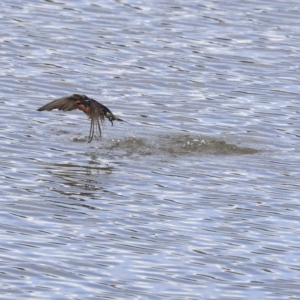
(198, 197)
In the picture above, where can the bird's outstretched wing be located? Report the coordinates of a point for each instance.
(64, 103)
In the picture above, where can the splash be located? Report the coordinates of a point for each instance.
(176, 145)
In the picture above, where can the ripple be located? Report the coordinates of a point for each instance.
(198, 196)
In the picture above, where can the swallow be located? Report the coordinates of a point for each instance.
(96, 111)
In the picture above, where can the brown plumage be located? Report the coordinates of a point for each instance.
(96, 111)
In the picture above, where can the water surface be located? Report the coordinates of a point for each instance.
(197, 198)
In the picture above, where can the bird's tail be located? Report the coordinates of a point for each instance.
(112, 117)
(121, 120)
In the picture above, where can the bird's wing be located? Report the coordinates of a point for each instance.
(64, 103)
(98, 109)
(103, 109)
(106, 112)
(96, 115)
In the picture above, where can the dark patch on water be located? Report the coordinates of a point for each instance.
(177, 145)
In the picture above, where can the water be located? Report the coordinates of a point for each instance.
(197, 198)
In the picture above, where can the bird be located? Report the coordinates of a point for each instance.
(96, 111)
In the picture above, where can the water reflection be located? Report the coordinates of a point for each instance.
(76, 176)
(182, 205)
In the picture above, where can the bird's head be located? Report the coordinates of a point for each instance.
(85, 100)
(83, 103)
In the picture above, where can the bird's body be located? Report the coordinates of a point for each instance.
(96, 111)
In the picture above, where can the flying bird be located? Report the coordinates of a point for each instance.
(96, 111)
